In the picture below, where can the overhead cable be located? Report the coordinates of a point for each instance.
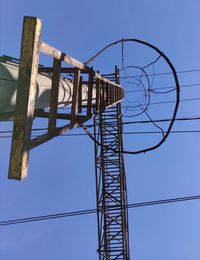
(92, 211)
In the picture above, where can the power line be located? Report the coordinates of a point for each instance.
(153, 74)
(166, 73)
(162, 120)
(92, 211)
(188, 118)
(172, 87)
(159, 132)
(178, 72)
(173, 101)
(125, 133)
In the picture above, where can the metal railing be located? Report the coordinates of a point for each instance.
(107, 93)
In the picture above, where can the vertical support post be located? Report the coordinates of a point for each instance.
(74, 109)
(113, 94)
(110, 95)
(107, 94)
(26, 94)
(80, 95)
(54, 95)
(97, 95)
(103, 95)
(90, 92)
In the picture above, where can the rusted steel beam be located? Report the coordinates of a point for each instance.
(103, 104)
(90, 92)
(107, 94)
(80, 89)
(26, 93)
(43, 114)
(115, 94)
(97, 95)
(74, 109)
(62, 70)
(112, 94)
(54, 95)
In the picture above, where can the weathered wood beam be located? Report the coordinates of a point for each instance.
(49, 50)
(26, 94)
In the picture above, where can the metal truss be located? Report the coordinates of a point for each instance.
(101, 94)
(111, 186)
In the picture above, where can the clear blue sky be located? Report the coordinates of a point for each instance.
(61, 172)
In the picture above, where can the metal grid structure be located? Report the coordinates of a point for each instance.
(104, 106)
(111, 186)
(107, 93)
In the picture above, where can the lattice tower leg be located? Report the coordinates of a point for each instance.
(111, 186)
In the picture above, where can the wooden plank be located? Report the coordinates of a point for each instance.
(50, 50)
(74, 109)
(90, 92)
(25, 103)
(54, 95)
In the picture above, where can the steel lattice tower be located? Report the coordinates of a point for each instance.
(111, 185)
